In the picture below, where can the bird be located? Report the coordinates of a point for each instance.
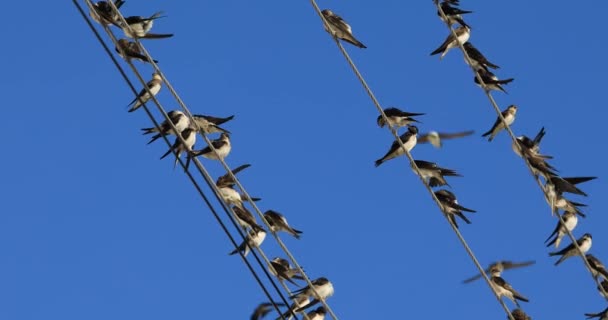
(139, 27)
(531, 151)
(601, 315)
(245, 218)
(603, 285)
(130, 50)
(504, 289)
(298, 302)
(317, 314)
(179, 120)
(478, 60)
(436, 138)
(211, 124)
(561, 185)
(222, 148)
(584, 243)
(597, 267)
(338, 28)
(434, 173)
(281, 269)
(263, 309)
(530, 145)
(226, 180)
(397, 118)
(453, 15)
(519, 314)
(463, 34)
(555, 186)
(189, 137)
(233, 197)
(451, 207)
(409, 142)
(278, 222)
(104, 14)
(509, 115)
(144, 95)
(570, 221)
(321, 289)
(499, 266)
(253, 239)
(491, 81)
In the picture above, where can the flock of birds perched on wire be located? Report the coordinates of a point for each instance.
(555, 186)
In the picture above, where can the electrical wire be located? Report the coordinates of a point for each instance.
(514, 138)
(410, 158)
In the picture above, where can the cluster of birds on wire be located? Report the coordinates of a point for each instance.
(555, 186)
(528, 148)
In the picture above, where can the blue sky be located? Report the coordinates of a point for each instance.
(94, 225)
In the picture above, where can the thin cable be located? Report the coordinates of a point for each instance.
(513, 137)
(410, 158)
(179, 160)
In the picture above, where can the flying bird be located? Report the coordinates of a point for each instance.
(144, 95)
(478, 60)
(509, 116)
(451, 207)
(253, 239)
(130, 50)
(263, 309)
(245, 218)
(321, 289)
(462, 36)
(491, 81)
(584, 243)
(222, 148)
(436, 138)
(397, 118)
(189, 137)
(226, 180)
(601, 315)
(211, 124)
(570, 221)
(434, 173)
(278, 222)
(281, 269)
(104, 14)
(139, 27)
(179, 120)
(338, 28)
(409, 142)
(504, 289)
(597, 266)
(499, 267)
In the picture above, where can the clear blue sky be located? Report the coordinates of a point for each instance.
(95, 226)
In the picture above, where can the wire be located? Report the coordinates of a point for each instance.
(513, 137)
(409, 156)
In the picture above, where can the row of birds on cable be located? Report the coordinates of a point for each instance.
(179, 123)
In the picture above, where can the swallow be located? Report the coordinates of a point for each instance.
(570, 221)
(338, 28)
(321, 289)
(139, 27)
(450, 206)
(409, 142)
(453, 14)
(519, 314)
(584, 244)
(263, 309)
(562, 185)
(222, 148)
(597, 266)
(498, 267)
(530, 148)
(189, 136)
(462, 36)
(478, 60)
(298, 302)
(491, 81)
(556, 186)
(562, 203)
(281, 269)
(143, 96)
(531, 145)
(253, 239)
(104, 14)
(397, 118)
(245, 218)
(317, 314)
(233, 197)
(434, 173)
(603, 285)
(211, 124)
(227, 180)
(601, 315)
(436, 138)
(179, 120)
(278, 223)
(504, 289)
(131, 51)
(509, 116)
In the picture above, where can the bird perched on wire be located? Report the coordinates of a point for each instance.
(338, 28)
(144, 95)
(491, 81)
(317, 314)
(499, 267)
(584, 243)
(409, 142)
(478, 60)
(436, 138)
(570, 222)
(180, 122)
(462, 36)
(211, 124)
(130, 50)
(264, 309)
(104, 14)
(434, 173)
(601, 315)
(519, 314)
(298, 302)
(450, 206)
(226, 180)
(222, 148)
(254, 239)
(556, 186)
(245, 218)
(139, 27)
(321, 289)
(504, 289)
(281, 269)
(509, 115)
(189, 137)
(597, 267)
(603, 285)
(530, 148)
(233, 197)
(397, 118)
(453, 14)
(278, 222)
